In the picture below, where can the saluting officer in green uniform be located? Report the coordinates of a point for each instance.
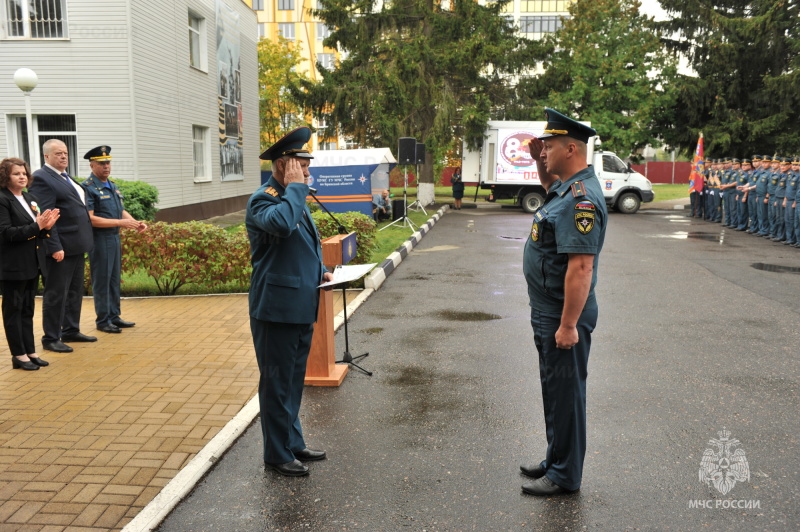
(560, 267)
(107, 214)
(287, 269)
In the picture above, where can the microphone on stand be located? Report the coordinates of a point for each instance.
(339, 227)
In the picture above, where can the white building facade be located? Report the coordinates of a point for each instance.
(171, 86)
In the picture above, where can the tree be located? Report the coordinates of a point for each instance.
(414, 69)
(278, 113)
(745, 96)
(605, 65)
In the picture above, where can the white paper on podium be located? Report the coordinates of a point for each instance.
(344, 274)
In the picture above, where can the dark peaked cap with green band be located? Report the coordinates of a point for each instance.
(559, 125)
(290, 144)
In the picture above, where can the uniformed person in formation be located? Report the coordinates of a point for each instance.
(107, 214)
(560, 267)
(287, 269)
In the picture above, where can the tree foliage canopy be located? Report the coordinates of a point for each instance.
(605, 65)
(745, 97)
(278, 113)
(411, 68)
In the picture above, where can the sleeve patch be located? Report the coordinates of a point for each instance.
(584, 221)
(584, 206)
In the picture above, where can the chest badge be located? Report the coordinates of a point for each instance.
(584, 221)
(535, 232)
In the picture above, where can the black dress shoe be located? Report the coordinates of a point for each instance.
(289, 469)
(39, 361)
(78, 337)
(122, 324)
(23, 364)
(108, 328)
(543, 487)
(58, 346)
(309, 455)
(533, 471)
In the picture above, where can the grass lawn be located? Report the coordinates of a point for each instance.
(670, 192)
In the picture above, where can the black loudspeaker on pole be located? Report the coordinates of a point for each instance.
(406, 150)
(420, 153)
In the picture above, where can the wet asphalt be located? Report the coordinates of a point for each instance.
(696, 335)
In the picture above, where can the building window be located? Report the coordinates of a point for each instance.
(286, 30)
(285, 5)
(61, 127)
(539, 25)
(258, 5)
(197, 42)
(262, 31)
(544, 6)
(326, 61)
(327, 145)
(200, 153)
(34, 19)
(322, 31)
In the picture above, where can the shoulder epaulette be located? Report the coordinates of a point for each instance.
(578, 189)
(271, 191)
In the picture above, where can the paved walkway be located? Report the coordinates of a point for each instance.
(87, 442)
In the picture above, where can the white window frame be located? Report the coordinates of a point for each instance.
(323, 31)
(262, 30)
(201, 170)
(198, 34)
(25, 21)
(19, 145)
(282, 30)
(329, 60)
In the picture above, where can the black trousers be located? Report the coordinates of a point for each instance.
(18, 304)
(63, 296)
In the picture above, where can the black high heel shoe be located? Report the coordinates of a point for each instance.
(39, 361)
(27, 365)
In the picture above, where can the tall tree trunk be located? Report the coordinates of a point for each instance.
(425, 191)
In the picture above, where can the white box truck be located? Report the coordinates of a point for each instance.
(504, 166)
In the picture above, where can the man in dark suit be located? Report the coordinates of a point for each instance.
(70, 240)
(287, 269)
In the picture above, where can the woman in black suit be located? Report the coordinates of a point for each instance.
(21, 226)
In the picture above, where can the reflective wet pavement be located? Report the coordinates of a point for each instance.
(692, 340)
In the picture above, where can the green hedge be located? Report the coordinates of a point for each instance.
(214, 259)
(140, 198)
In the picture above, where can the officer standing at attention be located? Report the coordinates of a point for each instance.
(287, 269)
(560, 267)
(789, 205)
(762, 197)
(745, 175)
(107, 214)
(780, 197)
(796, 173)
(750, 193)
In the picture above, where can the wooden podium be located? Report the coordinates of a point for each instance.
(322, 369)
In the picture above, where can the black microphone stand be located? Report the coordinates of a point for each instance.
(347, 358)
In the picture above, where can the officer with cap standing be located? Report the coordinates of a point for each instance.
(789, 205)
(780, 199)
(742, 174)
(750, 193)
(287, 269)
(796, 173)
(762, 197)
(107, 214)
(560, 267)
(728, 184)
(772, 186)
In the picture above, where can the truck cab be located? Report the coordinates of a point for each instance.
(504, 166)
(623, 188)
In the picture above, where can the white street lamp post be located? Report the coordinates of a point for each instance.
(26, 80)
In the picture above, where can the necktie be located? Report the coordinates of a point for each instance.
(64, 175)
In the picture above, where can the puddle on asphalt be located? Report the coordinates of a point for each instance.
(511, 237)
(456, 315)
(695, 235)
(777, 268)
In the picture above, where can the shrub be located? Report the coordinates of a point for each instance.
(190, 252)
(363, 225)
(140, 198)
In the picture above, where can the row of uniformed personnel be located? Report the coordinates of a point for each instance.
(758, 195)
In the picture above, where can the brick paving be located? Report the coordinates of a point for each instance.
(88, 441)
